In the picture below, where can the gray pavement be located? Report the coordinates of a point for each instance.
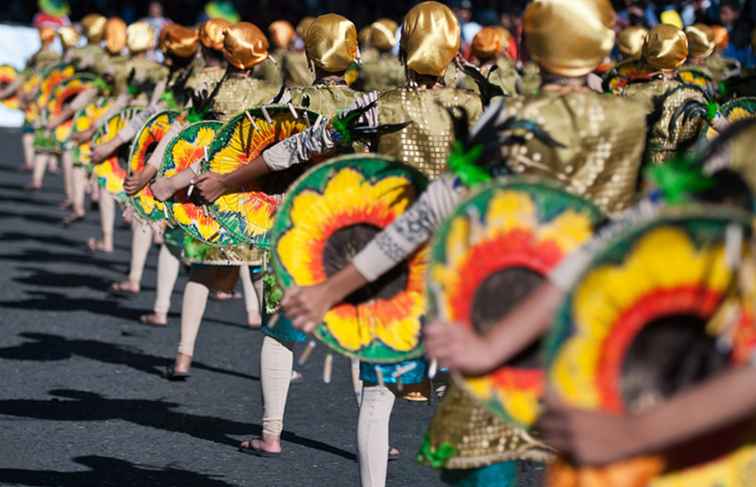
(83, 402)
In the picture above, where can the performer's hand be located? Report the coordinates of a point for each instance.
(53, 122)
(162, 189)
(458, 349)
(306, 306)
(99, 154)
(134, 183)
(210, 186)
(589, 437)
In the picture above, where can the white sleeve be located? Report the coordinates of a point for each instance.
(411, 230)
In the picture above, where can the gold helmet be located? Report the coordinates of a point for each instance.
(179, 41)
(303, 25)
(281, 33)
(115, 35)
(382, 34)
(331, 43)
(69, 36)
(569, 37)
(94, 27)
(630, 41)
(245, 46)
(46, 35)
(140, 37)
(720, 35)
(700, 40)
(486, 44)
(212, 32)
(430, 38)
(666, 47)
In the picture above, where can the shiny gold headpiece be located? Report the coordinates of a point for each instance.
(140, 37)
(94, 27)
(569, 37)
(281, 33)
(666, 47)
(303, 25)
(212, 32)
(430, 38)
(115, 35)
(331, 43)
(486, 44)
(720, 35)
(700, 41)
(69, 36)
(630, 41)
(245, 46)
(179, 41)
(46, 35)
(383, 34)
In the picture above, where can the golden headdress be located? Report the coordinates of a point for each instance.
(69, 36)
(505, 37)
(212, 32)
(140, 37)
(281, 33)
(364, 36)
(720, 35)
(383, 34)
(46, 35)
(245, 46)
(115, 35)
(94, 27)
(303, 25)
(666, 47)
(486, 44)
(331, 43)
(630, 41)
(430, 38)
(179, 41)
(700, 41)
(569, 37)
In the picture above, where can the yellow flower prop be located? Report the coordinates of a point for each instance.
(664, 274)
(350, 199)
(511, 234)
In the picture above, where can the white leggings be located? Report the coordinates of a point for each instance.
(167, 272)
(276, 366)
(373, 434)
(194, 303)
(141, 241)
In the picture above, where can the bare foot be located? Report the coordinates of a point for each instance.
(33, 187)
(224, 296)
(296, 376)
(154, 319)
(99, 246)
(125, 287)
(73, 218)
(261, 446)
(183, 363)
(394, 454)
(65, 204)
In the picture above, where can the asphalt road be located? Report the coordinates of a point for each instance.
(83, 403)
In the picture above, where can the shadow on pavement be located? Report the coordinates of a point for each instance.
(88, 406)
(106, 471)
(49, 348)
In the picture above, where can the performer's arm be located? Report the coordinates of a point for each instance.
(11, 89)
(79, 102)
(134, 183)
(591, 438)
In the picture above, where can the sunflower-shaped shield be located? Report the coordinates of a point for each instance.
(248, 216)
(110, 173)
(187, 148)
(51, 78)
(8, 76)
(328, 216)
(85, 119)
(734, 111)
(653, 313)
(662, 306)
(497, 247)
(144, 144)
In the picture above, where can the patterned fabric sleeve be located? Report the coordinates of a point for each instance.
(314, 141)
(411, 230)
